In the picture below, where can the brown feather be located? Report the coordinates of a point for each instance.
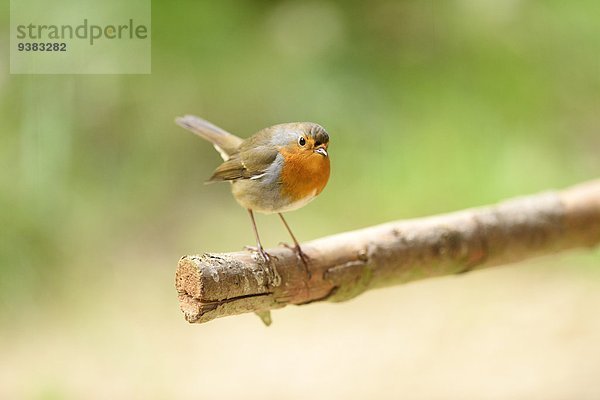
(225, 143)
(230, 170)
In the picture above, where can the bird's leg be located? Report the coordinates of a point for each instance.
(302, 255)
(259, 247)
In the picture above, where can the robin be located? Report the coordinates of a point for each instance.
(278, 169)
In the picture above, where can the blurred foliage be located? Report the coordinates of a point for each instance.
(431, 106)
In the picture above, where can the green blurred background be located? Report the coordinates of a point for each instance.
(431, 106)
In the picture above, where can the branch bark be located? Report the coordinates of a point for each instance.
(344, 265)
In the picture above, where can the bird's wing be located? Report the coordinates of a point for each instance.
(249, 163)
(230, 170)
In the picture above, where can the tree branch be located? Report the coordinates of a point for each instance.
(344, 265)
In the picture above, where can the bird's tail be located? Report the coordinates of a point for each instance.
(225, 143)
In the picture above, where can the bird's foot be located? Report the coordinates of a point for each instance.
(300, 254)
(259, 249)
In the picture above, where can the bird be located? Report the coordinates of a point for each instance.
(279, 169)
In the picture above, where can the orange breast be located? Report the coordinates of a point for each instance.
(304, 173)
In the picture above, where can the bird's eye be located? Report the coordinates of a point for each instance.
(301, 141)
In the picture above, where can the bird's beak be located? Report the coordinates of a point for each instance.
(322, 151)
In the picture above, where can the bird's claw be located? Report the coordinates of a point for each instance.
(266, 257)
(300, 254)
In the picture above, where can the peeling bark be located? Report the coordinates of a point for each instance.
(345, 265)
